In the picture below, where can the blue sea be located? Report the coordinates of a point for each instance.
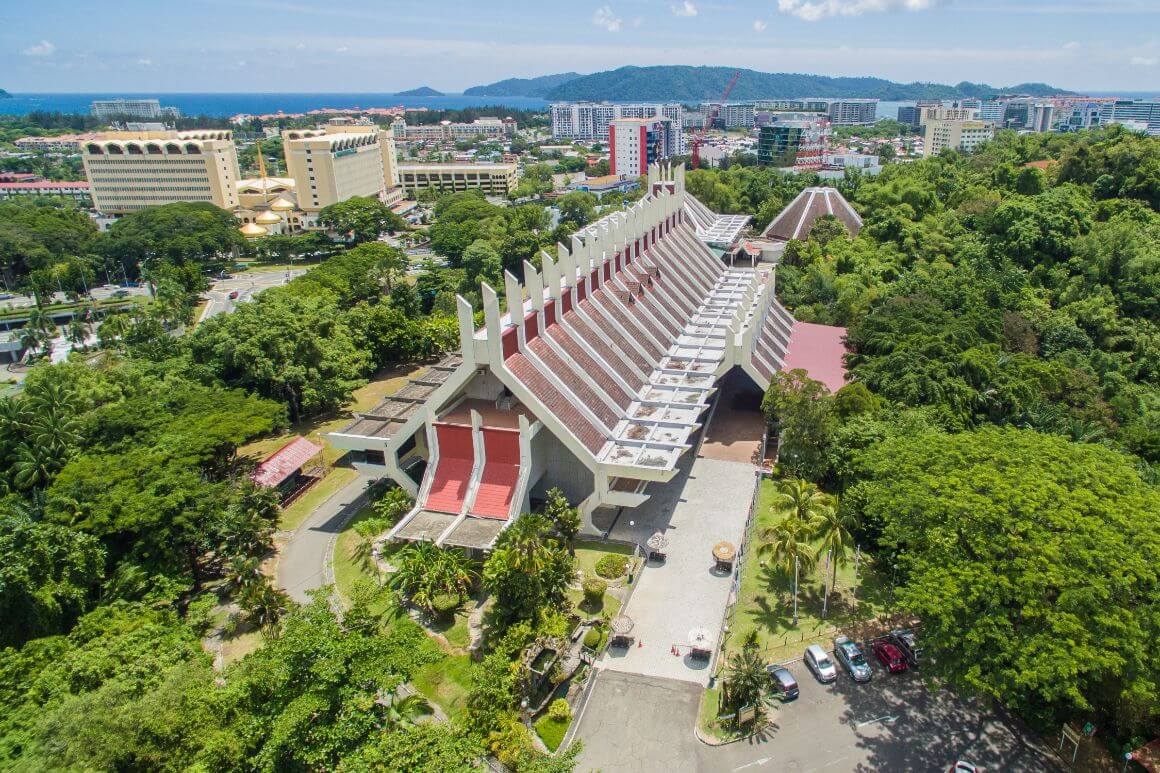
(224, 105)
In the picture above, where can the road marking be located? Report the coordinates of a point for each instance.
(888, 718)
(755, 763)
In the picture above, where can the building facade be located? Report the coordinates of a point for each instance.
(634, 144)
(595, 380)
(130, 171)
(77, 191)
(1142, 110)
(492, 179)
(588, 121)
(342, 159)
(957, 135)
(731, 115)
(943, 113)
(132, 108)
(852, 112)
(446, 131)
(798, 145)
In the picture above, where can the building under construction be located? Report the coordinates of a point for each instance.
(596, 379)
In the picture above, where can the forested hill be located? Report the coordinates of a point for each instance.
(4, 94)
(422, 91)
(523, 87)
(697, 83)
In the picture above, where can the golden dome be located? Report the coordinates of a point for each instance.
(281, 204)
(268, 218)
(253, 230)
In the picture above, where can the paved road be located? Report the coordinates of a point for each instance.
(304, 561)
(640, 723)
(247, 285)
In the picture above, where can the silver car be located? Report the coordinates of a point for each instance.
(850, 655)
(821, 664)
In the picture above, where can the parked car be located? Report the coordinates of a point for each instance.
(784, 686)
(850, 655)
(962, 766)
(819, 662)
(890, 656)
(233, 296)
(907, 642)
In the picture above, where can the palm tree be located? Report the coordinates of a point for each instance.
(746, 680)
(525, 543)
(114, 328)
(263, 603)
(426, 572)
(789, 542)
(836, 531)
(406, 710)
(564, 516)
(79, 329)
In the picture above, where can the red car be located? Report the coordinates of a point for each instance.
(890, 656)
(233, 296)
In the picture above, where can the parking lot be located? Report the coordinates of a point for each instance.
(894, 722)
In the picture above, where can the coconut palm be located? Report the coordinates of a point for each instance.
(263, 603)
(789, 543)
(746, 680)
(404, 710)
(836, 530)
(78, 331)
(114, 328)
(526, 544)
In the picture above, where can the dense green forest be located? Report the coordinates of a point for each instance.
(522, 87)
(693, 84)
(999, 445)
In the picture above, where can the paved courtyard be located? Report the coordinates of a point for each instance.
(641, 723)
(707, 502)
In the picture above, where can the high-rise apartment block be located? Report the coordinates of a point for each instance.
(130, 171)
(731, 115)
(132, 108)
(446, 131)
(340, 160)
(942, 113)
(852, 112)
(588, 121)
(958, 135)
(636, 143)
(1144, 111)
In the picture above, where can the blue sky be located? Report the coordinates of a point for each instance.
(384, 45)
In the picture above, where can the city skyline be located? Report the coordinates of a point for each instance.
(275, 46)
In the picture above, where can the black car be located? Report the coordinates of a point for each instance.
(784, 685)
(907, 642)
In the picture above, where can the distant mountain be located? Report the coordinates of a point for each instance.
(523, 87)
(4, 94)
(422, 91)
(693, 84)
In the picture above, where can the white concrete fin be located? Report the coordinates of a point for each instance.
(491, 318)
(515, 300)
(552, 274)
(535, 284)
(466, 318)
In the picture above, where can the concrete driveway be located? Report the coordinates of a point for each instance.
(641, 723)
(247, 286)
(707, 502)
(304, 562)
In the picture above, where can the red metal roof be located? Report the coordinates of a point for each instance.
(819, 350)
(286, 461)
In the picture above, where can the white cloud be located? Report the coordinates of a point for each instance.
(1145, 61)
(145, 62)
(815, 10)
(1071, 45)
(759, 26)
(43, 48)
(685, 9)
(604, 17)
(342, 49)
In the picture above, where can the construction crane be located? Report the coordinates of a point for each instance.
(710, 118)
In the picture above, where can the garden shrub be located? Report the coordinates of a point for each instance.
(560, 711)
(594, 589)
(445, 605)
(592, 638)
(612, 566)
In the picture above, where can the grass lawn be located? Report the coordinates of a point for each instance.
(446, 683)
(587, 554)
(765, 599)
(237, 647)
(303, 506)
(386, 382)
(551, 731)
